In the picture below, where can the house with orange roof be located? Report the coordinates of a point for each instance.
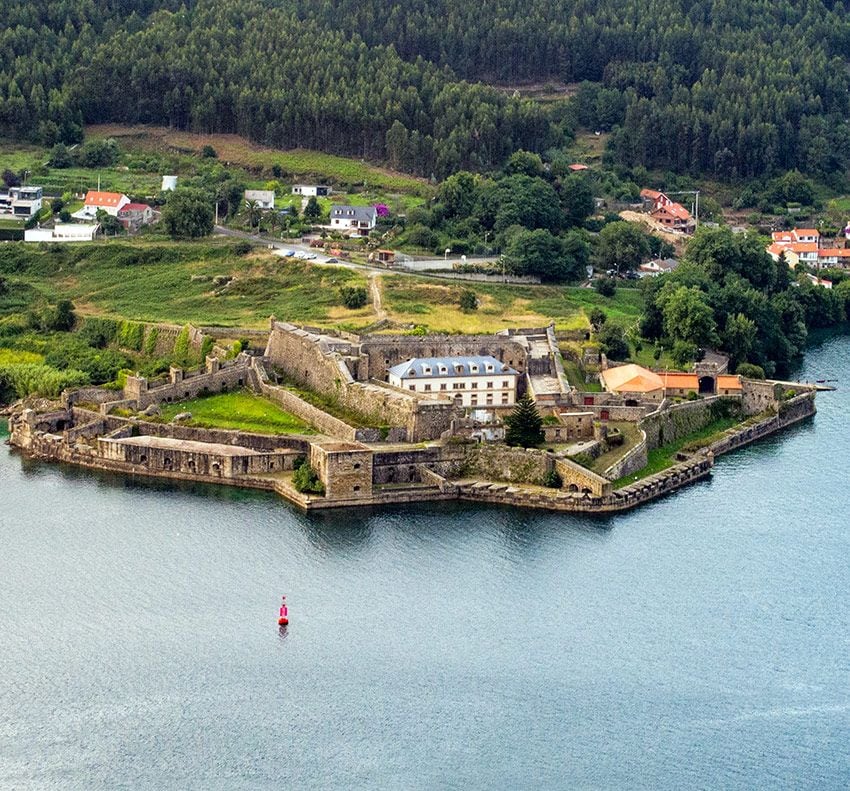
(110, 202)
(666, 212)
(674, 216)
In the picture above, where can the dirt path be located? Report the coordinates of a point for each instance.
(375, 290)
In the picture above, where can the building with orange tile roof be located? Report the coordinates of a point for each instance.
(634, 382)
(110, 202)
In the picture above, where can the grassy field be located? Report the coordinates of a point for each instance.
(434, 305)
(241, 410)
(236, 150)
(157, 280)
(164, 281)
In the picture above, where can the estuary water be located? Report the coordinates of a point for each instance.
(702, 641)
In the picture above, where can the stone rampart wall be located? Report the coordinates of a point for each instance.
(758, 396)
(514, 465)
(306, 359)
(320, 420)
(230, 376)
(579, 479)
(678, 421)
(636, 459)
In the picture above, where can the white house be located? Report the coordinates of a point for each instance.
(67, 232)
(658, 266)
(311, 190)
(263, 198)
(21, 201)
(361, 219)
(477, 381)
(110, 202)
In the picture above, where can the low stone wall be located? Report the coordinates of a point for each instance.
(88, 395)
(258, 442)
(217, 378)
(317, 418)
(636, 459)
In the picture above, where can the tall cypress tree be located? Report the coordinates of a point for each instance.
(524, 425)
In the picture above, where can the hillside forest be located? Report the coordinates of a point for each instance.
(743, 89)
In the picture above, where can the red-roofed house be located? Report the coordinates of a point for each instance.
(577, 167)
(674, 216)
(110, 202)
(666, 212)
(134, 215)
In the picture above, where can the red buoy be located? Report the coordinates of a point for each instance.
(283, 618)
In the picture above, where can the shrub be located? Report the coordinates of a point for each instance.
(750, 371)
(150, 341)
(553, 480)
(206, 347)
(305, 479)
(243, 248)
(353, 297)
(36, 379)
(468, 300)
(606, 286)
(181, 346)
(99, 332)
(131, 335)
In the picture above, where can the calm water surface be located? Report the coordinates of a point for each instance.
(700, 642)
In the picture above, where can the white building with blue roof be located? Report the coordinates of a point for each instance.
(479, 381)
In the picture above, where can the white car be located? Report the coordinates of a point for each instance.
(310, 256)
(301, 254)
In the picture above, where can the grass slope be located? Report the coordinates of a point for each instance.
(236, 150)
(241, 410)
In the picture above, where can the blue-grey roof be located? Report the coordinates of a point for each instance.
(359, 213)
(416, 368)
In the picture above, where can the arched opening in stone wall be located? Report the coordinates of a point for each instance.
(572, 488)
(142, 459)
(706, 385)
(631, 402)
(167, 463)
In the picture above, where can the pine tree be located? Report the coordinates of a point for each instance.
(524, 425)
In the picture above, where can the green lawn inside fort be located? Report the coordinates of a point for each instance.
(664, 457)
(240, 410)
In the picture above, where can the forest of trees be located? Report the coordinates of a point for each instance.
(729, 89)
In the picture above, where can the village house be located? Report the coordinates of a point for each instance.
(134, 215)
(476, 381)
(110, 202)
(360, 219)
(21, 202)
(311, 190)
(263, 198)
(803, 246)
(658, 266)
(666, 212)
